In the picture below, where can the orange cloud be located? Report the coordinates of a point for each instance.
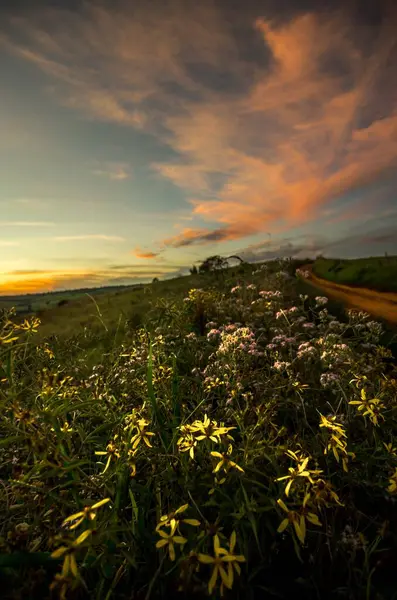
(312, 155)
(303, 129)
(143, 254)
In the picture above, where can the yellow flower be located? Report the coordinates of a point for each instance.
(65, 428)
(170, 539)
(299, 471)
(374, 411)
(363, 403)
(87, 512)
(173, 517)
(208, 429)
(331, 424)
(222, 560)
(112, 452)
(142, 434)
(69, 566)
(371, 408)
(297, 519)
(393, 483)
(187, 444)
(358, 379)
(48, 351)
(390, 448)
(30, 326)
(225, 462)
(131, 461)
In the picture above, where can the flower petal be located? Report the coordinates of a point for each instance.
(212, 581)
(205, 558)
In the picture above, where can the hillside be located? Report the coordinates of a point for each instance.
(376, 273)
(240, 444)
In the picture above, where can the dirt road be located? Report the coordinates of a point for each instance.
(379, 304)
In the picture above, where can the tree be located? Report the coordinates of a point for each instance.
(213, 263)
(155, 280)
(193, 270)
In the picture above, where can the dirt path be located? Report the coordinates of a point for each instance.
(379, 304)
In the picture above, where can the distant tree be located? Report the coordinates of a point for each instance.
(155, 280)
(63, 302)
(213, 263)
(193, 270)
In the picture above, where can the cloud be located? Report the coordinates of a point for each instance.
(145, 254)
(89, 236)
(114, 171)
(8, 243)
(266, 131)
(190, 237)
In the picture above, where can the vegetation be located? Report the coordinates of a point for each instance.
(377, 273)
(32, 303)
(237, 442)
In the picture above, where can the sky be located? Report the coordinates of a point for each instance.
(138, 138)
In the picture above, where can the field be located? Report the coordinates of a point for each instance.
(215, 435)
(376, 273)
(41, 302)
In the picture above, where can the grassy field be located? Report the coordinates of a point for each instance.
(207, 436)
(377, 273)
(39, 303)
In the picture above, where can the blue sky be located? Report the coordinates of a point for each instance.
(135, 141)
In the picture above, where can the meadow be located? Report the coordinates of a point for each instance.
(375, 273)
(219, 435)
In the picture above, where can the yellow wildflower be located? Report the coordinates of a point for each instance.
(223, 563)
(298, 519)
(208, 429)
(170, 539)
(69, 566)
(87, 512)
(363, 403)
(331, 424)
(225, 461)
(112, 452)
(30, 326)
(374, 411)
(295, 519)
(187, 444)
(142, 434)
(390, 448)
(173, 517)
(299, 471)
